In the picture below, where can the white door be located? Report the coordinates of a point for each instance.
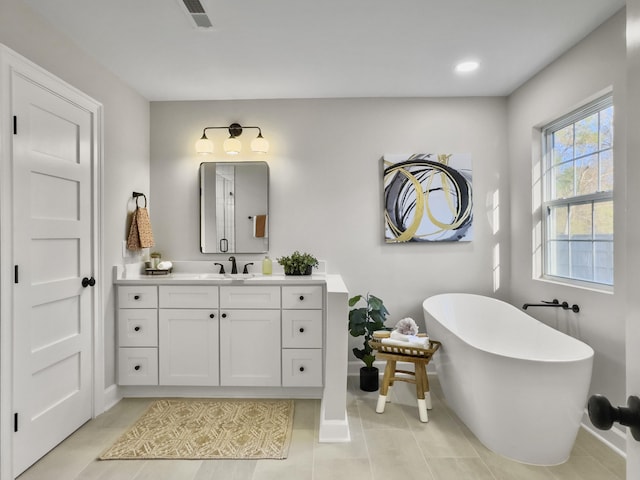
(52, 238)
(631, 254)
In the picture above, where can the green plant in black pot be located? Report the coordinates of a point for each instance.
(363, 321)
(298, 263)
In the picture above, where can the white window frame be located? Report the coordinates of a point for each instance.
(592, 198)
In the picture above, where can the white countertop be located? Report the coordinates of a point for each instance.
(121, 276)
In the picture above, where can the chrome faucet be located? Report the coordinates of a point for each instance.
(234, 266)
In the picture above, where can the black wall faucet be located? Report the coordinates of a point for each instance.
(234, 265)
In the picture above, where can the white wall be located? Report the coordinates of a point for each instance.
(597, 63)
(326, 186)
(126, 134)
(326, 192)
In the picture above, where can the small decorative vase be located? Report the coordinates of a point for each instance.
(369, 379)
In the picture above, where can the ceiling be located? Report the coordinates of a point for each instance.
(326, 48)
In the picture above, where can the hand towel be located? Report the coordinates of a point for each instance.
(140, 234)
(260, 226)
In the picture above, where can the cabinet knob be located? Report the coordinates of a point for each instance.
(137, 328)
(224, 315)
(137, 367)
(136, 297)
(301, 297)
(211, 315)
(302, 369)
(301, 329)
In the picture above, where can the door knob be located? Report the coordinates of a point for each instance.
(602, 414)
(88, 282)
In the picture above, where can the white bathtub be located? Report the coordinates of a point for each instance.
(519, 385)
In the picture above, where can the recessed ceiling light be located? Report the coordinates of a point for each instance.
(466, 67)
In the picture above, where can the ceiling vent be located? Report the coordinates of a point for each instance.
(197, 13)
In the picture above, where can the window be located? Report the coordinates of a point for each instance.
(577, 204)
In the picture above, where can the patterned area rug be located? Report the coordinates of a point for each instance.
(208, 429)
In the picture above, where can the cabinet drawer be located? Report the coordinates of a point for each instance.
(138, 366)
(302, 296)
(302, 367)
(138, 327)
(138, 297)
(250, 297)
(302, 328)
(188, 296)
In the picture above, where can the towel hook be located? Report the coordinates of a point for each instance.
(136, 195)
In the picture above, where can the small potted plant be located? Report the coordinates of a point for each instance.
(363, 321)
(298, 263)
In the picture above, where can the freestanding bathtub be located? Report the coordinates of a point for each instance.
(519, 385)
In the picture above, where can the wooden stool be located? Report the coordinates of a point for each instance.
(420, 357)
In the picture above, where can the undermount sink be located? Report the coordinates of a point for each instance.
(199, 276)
(239, 276)
(214, 276)
(211, 276)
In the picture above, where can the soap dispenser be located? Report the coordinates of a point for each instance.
(267, 266)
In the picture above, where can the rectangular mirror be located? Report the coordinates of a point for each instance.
(234, 207)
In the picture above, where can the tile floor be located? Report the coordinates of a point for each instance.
(391, 446)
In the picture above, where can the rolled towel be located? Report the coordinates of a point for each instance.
(401, 336)
(381, 334)
(421, 342)
(412, 339)
(166, 265)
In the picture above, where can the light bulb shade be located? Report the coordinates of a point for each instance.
(232, 146)
(204, 146)
(259, 145)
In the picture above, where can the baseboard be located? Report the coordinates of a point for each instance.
(112, 395)
(613, 438)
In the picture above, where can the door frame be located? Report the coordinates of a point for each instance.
(13, 63)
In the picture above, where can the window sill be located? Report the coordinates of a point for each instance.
(567, 282)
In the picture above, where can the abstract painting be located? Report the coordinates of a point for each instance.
(428, 198)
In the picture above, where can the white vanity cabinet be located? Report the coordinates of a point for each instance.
(268, 334)
(203, 335)
(188, 336)
(302, 335)
(137, 335)
(250, 350)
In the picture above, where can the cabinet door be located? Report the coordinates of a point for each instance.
(188, 347)
(250, 348)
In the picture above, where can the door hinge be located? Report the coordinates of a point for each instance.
(15, 274)
(15, 125)
(15, 422)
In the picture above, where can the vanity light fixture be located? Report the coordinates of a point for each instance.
(232, 145)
